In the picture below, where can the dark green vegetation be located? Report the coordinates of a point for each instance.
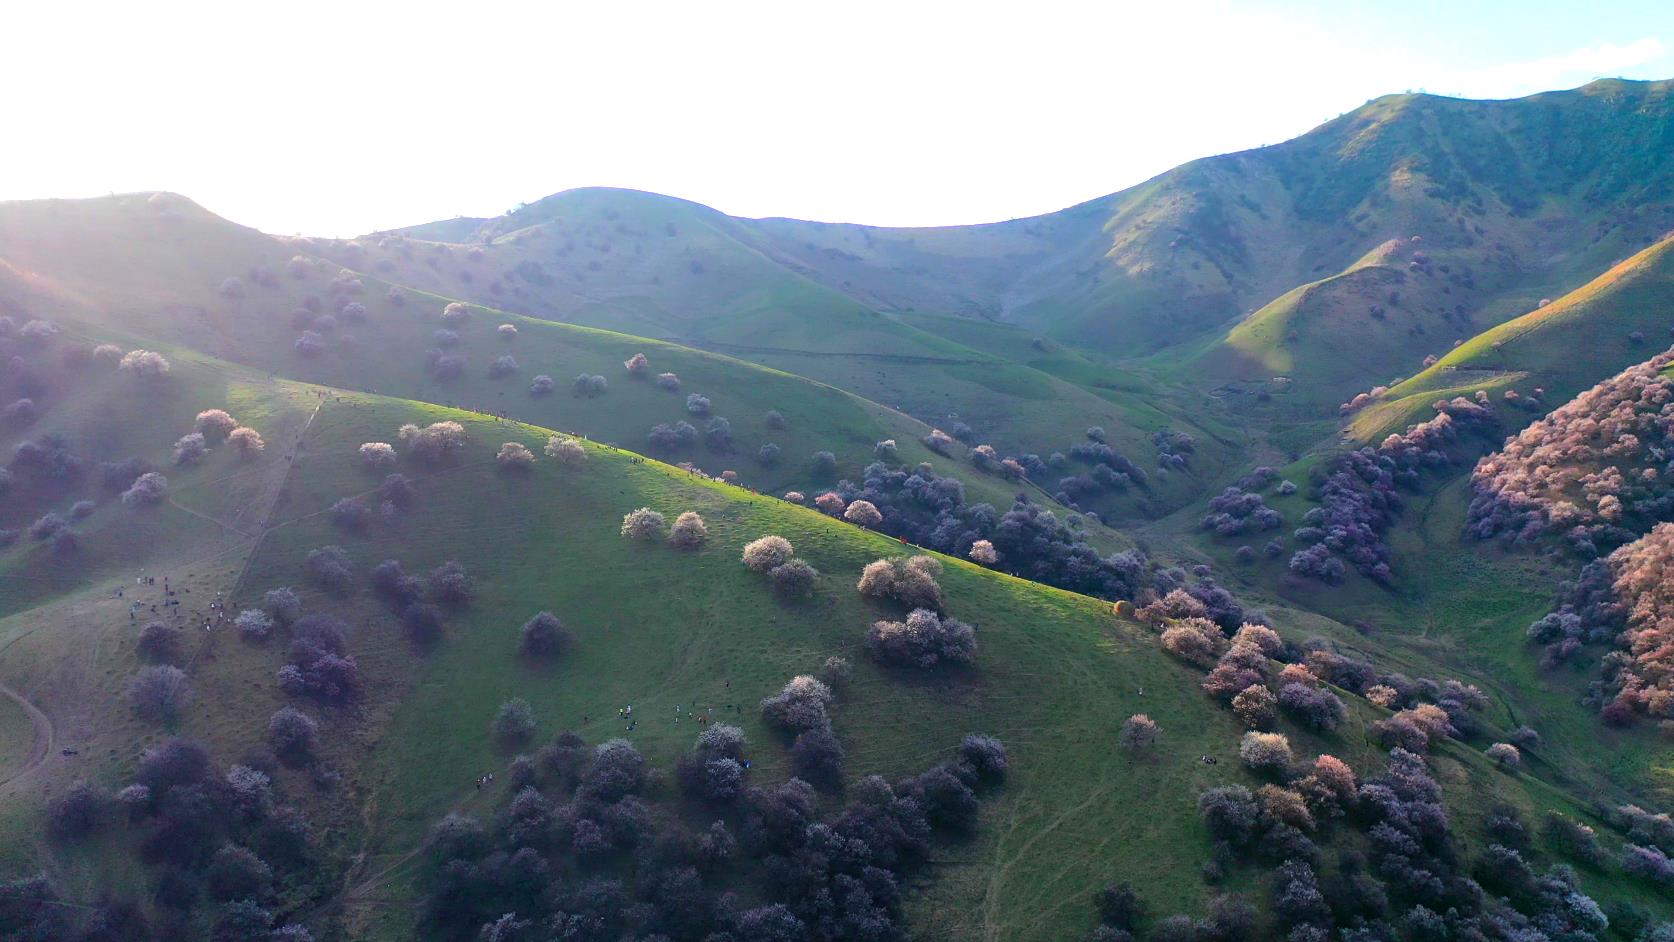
(1168, 341)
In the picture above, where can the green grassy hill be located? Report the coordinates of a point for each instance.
(1280, 281)
(1562, 347)
(1237, 299)
(125, 270)
(132, 266)
(1321, 344)
(1514, 199)
(675, 270)
(1055, 676)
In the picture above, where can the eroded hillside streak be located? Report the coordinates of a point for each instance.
(261, 533)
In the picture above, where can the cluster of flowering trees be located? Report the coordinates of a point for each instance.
(1359, 498)
(1593, 470)
(1625, 599)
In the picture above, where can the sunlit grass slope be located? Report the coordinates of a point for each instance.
(1055, 677)
(141, 272)
(1617, 319)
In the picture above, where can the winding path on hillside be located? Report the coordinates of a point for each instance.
(45, 735)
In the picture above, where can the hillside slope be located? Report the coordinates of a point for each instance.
(1513, 198)
(134, 269)
(1561, 347)
(656, 626)
(675, 270)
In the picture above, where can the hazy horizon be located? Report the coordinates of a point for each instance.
(336, 122)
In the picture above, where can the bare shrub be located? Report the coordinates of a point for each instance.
(48, 526)
(794, 577)
(144, 363)
(377, 455)
(863, 513)
(1194, 640)
(329, 567)
(246, 441)
(816, 756)
(161, 644)
(638, 366)
(1256, 707)
(283, 604)
(309, 344)
(568, 452)
(159, 692)
(451, 585)
(514, 724)
(351, 513)
(214, 424)
(76, 814)
(189, 449)
(643, 524)
(836, 671)
(320, 667)
(392, 584)
(1139, 733)
(925, 640)
(939, 442)
(803, 704)
(148, 489)
(689, 531)
(909, 580)
(766, 553)
(422, 621)
(543, 636)
(435, 442)
(1261, 637)
(515, 456)
(1265, 752)
(291, 734)
(1177, 604)
(1317, 708)
(253, 624)
(116, 476)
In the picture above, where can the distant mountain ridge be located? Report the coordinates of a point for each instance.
(1548, 189)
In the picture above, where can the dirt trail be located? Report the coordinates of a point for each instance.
(45, 735)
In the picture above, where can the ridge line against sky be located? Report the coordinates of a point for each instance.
(337, 120)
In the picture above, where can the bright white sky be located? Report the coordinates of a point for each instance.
(339, 118)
